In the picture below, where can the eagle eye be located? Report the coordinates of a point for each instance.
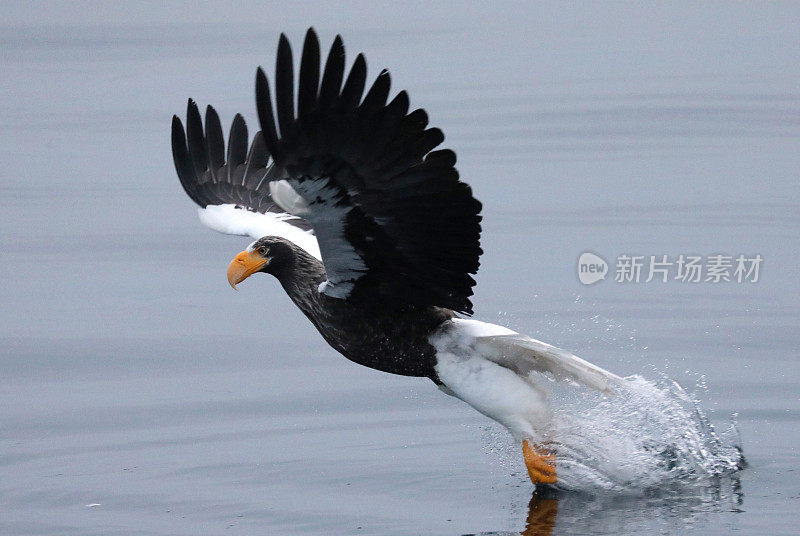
(263, 251)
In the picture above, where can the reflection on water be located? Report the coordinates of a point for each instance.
(674, 508)
(542, 513)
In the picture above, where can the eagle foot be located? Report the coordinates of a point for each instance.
(541, 463)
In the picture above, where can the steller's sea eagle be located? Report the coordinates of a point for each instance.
(372, 235)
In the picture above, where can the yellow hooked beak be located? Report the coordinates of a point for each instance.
(243, 266)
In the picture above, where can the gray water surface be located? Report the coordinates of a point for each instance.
(140, 395)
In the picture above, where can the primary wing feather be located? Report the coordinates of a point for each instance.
(394, 223)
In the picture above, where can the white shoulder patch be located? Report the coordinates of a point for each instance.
(230, 219)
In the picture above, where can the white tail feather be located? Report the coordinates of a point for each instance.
(524, 355)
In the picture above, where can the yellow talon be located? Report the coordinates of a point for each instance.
(541, 463)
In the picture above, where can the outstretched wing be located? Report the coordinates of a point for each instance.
(238, 191)
(394, 223)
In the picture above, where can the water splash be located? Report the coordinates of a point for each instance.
(653, 434)
(651, 437)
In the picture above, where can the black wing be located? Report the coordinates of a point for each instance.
(212, 175)
(394, 223)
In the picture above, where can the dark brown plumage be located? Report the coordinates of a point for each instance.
(389, 340)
